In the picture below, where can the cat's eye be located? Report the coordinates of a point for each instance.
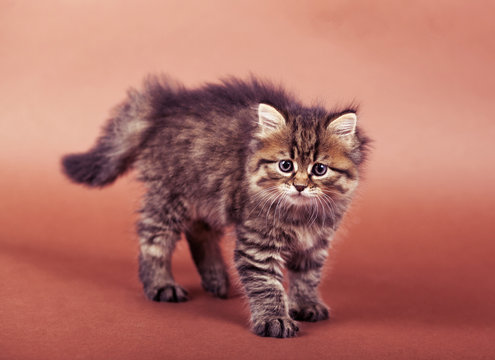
(319, 169)
(286, 165)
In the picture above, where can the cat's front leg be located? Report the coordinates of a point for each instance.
(259, 266)
(304, 277)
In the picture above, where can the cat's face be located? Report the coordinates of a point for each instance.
(303, 164)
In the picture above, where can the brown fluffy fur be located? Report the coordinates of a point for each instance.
(214, 156)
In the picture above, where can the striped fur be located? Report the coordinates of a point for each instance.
(240, 152)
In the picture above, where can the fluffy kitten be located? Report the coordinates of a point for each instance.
(243, 153)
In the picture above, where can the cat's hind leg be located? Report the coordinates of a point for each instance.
(205, 250)
(159, 230)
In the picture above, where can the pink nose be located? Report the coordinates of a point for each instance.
(300, 187)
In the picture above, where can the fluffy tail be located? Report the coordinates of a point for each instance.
(117, 147)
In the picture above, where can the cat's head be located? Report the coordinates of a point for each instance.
(308, 161)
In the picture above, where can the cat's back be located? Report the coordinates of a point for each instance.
(224, 107)
(209, 126)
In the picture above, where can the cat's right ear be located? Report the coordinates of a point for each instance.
(269, 119)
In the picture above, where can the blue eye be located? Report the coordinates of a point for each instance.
(319, 169)
(286, 165)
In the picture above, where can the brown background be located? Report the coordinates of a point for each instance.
(412, 270)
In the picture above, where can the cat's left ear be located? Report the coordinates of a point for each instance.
(269, 119)
(344, 126)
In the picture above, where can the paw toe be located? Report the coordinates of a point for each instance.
(312, 313)
(276, 327)
(170, 293)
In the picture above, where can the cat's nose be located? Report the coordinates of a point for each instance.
(300, 187)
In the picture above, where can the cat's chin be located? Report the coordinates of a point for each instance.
(300, 199)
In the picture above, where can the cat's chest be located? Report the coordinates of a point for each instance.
(305, 238)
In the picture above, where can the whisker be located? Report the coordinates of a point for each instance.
(331, 205)
(271, 196)
(263, 196)
(268, 211)
(313, 216)
(277, 207)
(322, 209)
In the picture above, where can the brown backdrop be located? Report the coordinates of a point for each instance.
(411, 275)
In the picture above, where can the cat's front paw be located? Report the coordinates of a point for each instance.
(167, 293)
(309, 312)
(279, 327)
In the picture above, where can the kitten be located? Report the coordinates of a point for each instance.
(239, 152)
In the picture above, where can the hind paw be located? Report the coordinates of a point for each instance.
(168, 293)
(309, 312)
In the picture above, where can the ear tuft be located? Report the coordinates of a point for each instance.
(269, 119)
(344, 126)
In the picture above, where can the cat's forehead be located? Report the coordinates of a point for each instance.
(303, 139)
